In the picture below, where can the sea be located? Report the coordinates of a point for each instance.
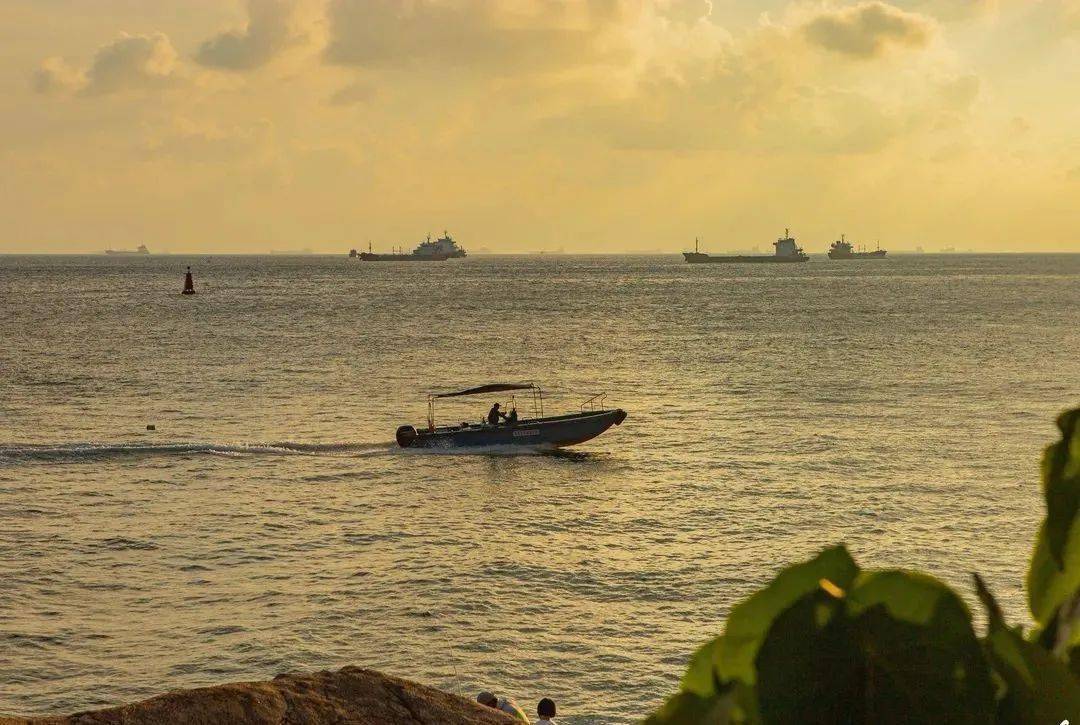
(269, 523)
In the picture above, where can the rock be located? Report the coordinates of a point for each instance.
(350, 696)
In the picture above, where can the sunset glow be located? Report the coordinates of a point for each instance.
(526, 125)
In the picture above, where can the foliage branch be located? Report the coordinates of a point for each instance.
(829, 642)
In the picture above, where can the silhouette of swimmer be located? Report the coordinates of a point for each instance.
(189, 283)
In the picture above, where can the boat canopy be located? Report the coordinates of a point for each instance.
(493, 388)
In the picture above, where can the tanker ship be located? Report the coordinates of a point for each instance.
(786, 251)
(440, 250)
(843, 249)
(140, 250)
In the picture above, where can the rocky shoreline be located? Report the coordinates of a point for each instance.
(349, 696)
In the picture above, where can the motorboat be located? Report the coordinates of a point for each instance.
(539, 431)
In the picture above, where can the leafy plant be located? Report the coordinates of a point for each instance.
(827, 642)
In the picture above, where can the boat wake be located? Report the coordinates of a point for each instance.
(75, 452)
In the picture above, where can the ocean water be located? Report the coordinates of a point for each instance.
(270, 523)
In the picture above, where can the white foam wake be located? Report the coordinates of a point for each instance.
(95, 451)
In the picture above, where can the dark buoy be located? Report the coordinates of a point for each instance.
(189, 283)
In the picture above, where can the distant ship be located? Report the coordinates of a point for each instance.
(140, 250)
(440, 250)
(843, 250)
(786, 251)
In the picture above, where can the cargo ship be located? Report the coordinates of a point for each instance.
(439, 250)
(843, 249)
(786, 251)
(140, 250)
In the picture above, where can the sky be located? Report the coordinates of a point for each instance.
(248, 126)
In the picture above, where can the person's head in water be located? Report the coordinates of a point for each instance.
(487, 698)
(546, 708)
(495, 407)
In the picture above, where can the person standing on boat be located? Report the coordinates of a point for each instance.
(494, 414)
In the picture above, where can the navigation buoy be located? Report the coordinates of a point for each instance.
(189, 283)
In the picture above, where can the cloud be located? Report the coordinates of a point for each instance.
(357, 92)
(496, 35)
(868, 29)
(131, 62)
(56, 76)
(272, 28)
(201, 141)
(1071, 15)
(956, 9)
(1019, 126)
(762, 94)
(959, 93)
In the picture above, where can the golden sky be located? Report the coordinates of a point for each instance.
(522, 125)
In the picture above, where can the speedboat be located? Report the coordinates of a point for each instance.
(538, 431)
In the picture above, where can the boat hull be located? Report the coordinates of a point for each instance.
(369, 257)
(555, 432)
(699, 258)
(876, 254)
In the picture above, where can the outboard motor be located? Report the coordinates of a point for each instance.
(405, 435)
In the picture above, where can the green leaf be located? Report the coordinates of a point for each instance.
(911, 596)
(1049, 586)
(1061, 484)
(944, 654)
(1074, 662)
(725, 665)
(733, 654)
(686, 708)
(1039, 688)
(700, 676)
(735, 706)
(1054, 575)
(807, 666)
(898, 648)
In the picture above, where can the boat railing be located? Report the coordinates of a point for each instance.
(534, 392)
(593, 404)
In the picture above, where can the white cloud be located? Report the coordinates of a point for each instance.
(202, 141)
(868, 29)
(133, 62)
(273, 27)
(500, 37)
(356, 92)
(55, 75)
(464, 33)
(954, 9)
